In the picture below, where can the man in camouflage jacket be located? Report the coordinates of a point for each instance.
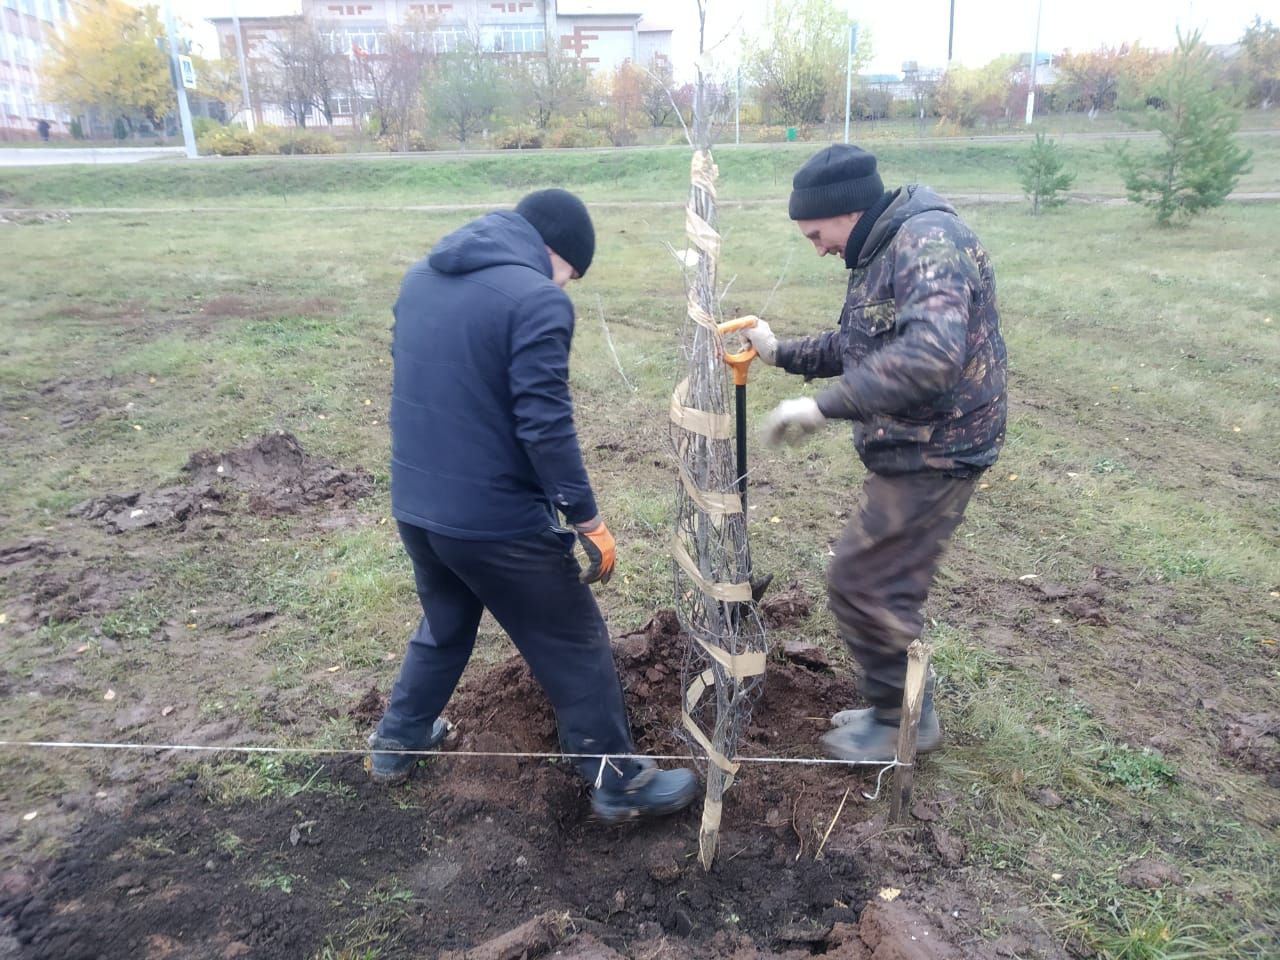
(919, 368)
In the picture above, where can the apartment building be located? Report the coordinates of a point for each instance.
(26, 29)
(602, 33)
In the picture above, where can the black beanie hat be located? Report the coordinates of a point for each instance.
(840, 179)
(562, 221)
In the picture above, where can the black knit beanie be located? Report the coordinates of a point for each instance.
(562, 221)
(840, 179)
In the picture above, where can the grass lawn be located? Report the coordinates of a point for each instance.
(1106, 622)
(749, 172)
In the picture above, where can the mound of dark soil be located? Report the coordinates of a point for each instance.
(473, 848)
(274, 475)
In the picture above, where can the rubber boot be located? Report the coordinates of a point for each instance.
(871, 734)
(650, 793)
(393, 768)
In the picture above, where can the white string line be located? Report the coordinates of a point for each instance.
(366, 751)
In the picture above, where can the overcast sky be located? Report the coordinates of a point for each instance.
(917, 29)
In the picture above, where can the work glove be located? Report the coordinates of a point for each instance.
(792, 420)
(601, 550)
(762, 338)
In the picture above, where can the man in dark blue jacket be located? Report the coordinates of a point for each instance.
(484, 454)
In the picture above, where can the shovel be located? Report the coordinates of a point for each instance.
(740, 363)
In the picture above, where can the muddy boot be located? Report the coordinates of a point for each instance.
(845, 717)
(871, 735)
(650, 793)
(393, 768)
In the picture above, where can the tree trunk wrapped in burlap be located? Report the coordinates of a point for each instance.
(725, 658)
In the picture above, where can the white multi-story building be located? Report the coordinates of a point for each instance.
(602, 33)
(26, 28)
(605, 33)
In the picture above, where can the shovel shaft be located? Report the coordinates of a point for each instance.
(740, 402)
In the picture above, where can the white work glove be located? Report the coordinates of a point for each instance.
(793, 421)
(761, 337)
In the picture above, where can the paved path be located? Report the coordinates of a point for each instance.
(55, 156)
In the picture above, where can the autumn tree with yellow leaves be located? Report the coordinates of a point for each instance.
(111, 59)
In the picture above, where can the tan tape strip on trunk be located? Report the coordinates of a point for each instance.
(701, 234)
(714, 504)
(703, 172)
(724, 592)
(713, 426)
(696, 689)
(700, 316)
(740, 666)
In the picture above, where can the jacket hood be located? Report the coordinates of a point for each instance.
(911, 201)
(496, 239)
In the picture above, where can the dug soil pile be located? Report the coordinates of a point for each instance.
(271, 476)
(497, 858)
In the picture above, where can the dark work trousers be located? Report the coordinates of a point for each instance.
(531, 587)
(883, 566)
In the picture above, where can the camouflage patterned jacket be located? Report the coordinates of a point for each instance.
(918, 352)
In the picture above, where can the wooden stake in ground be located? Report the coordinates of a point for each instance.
(918, 655)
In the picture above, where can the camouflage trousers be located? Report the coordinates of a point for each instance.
(884, 563)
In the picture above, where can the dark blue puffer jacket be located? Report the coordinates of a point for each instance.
(483, 445)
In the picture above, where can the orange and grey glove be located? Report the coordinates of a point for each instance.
(600, 548)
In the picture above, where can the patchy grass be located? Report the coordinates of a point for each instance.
(286, 883)
(385, 905)
(264, 776)
(1141, 458)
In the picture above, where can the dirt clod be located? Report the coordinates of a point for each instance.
(1150, 874)
(894, 931)
(244, 619)
(124, 512)
(804, 933)
(1254, 740)
(369, 709)
(533, 938)
(25, 551)
(951, 850)
(1086, 610)
(1047, 798)
(806, 654)
(786, 609)
(89, 591)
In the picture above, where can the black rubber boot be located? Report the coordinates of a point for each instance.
(393, 768)
(650, 793)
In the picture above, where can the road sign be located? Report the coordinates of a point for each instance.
(188, 71)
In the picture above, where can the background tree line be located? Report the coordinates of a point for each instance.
(413, 90)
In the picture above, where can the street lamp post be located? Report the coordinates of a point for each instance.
(951, 32)
(244, 74)
(1035, 56)
(848, 79)
(737, 109)
(175, 69)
